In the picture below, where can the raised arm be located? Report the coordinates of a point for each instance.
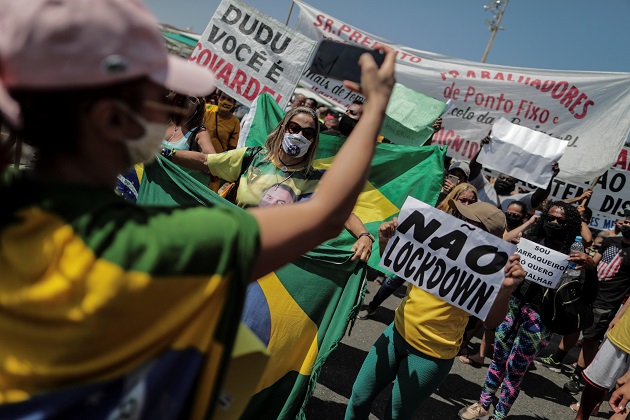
(518, 231)
(541, 194)
(286, 232)
(514, 275)
(476, 167)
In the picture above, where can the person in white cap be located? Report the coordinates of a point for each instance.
(107, 309)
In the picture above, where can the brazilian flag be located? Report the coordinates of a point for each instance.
(302, 310)
(396, 172)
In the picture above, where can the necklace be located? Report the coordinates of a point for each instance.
(278, 183)
(285, 166)
(175, 130)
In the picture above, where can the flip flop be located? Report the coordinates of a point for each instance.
(470, 361)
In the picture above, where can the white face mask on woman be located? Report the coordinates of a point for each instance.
(144, 148)
(295, 145)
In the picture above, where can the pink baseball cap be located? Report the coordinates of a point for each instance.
(66, 44)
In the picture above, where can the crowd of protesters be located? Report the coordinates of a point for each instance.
(78, 256)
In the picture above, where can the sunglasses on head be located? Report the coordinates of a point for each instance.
(560, 220)
(295, 128)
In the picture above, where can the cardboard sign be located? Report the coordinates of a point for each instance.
(251, 53)
(409, 116)
(449, 258)
(543, 265)
(522, 153)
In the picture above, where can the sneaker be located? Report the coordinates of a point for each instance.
(573, 386)
(367, 313)
(551, 364)
(475, 412)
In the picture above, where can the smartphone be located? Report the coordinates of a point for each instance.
(341, 61)
(453, 179)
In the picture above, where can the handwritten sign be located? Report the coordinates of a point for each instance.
(251, 53)
(449, 258)
(543, 265)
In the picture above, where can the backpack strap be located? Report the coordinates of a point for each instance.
(192, 140)
(247, 161)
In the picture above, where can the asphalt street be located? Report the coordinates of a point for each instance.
(541, 397)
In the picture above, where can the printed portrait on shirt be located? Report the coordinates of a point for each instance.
(277, 195)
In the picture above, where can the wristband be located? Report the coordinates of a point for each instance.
(369, 235)
(168, 153)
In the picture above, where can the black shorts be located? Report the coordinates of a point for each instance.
(601, 320)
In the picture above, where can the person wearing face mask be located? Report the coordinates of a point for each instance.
(501, 193)
(616, 230)
(286, 159)
(517, 222)
(613, 272)
(417, 350)
(523, 334)
(224, 129)
(107, 307)
(222, 125)
(348, 121)
(464, 194)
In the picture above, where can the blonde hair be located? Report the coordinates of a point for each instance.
(454, 194)
(274, 139)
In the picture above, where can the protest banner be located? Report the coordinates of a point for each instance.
(522, 153)
(575, 106)
(409, 116)
(449, 258)
(544, 266)
(610, 193)
(251, 53)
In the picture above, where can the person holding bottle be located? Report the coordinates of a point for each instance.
(523, 334)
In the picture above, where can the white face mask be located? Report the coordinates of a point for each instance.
(295, 145)
(144, 148)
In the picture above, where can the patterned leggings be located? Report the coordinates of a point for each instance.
(519, 339)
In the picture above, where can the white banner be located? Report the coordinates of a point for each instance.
(610, 194)
(544, 266)
(587, 109)
(251, 53)
(449, 258)
(522, 153)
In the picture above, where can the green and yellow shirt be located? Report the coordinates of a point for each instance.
(104, 303)
(262, 179)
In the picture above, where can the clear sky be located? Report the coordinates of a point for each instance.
(548, 34)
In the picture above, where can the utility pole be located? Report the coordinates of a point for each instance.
(289, 16)
(497, 7)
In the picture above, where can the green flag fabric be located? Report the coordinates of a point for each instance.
(396, 173)
(410, 116)
(301, 311)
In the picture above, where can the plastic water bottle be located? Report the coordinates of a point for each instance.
(577, 246)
